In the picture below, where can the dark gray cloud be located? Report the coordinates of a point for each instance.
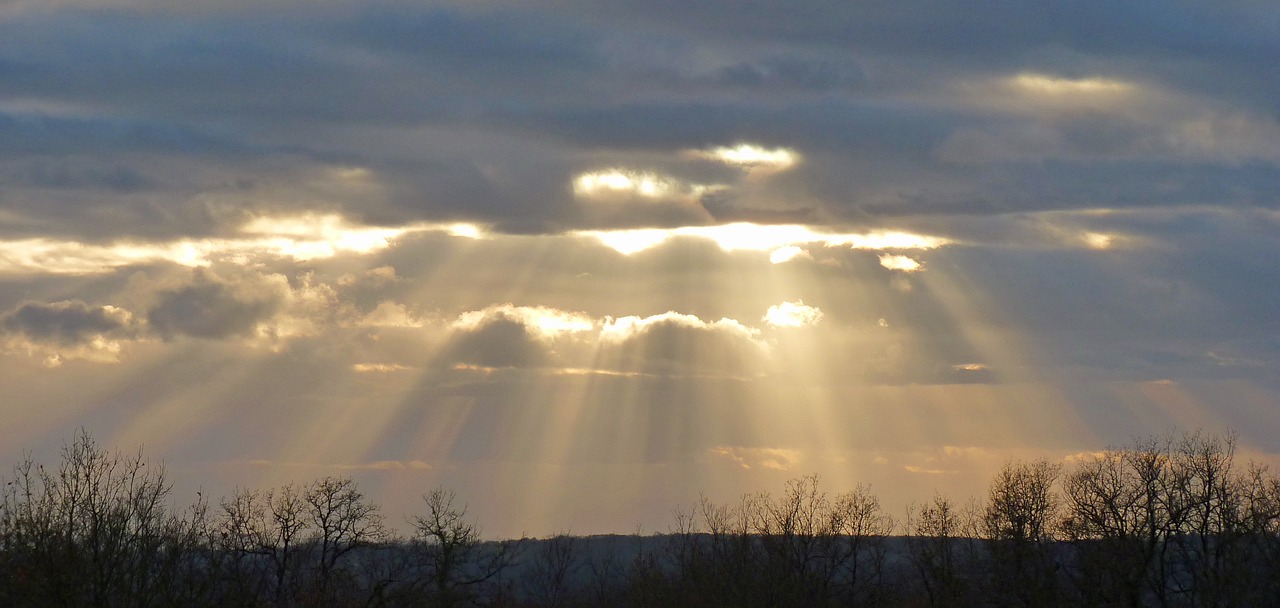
(209, 307)
(154, 122)
(682, 345)
(67, 323)
(497, 341)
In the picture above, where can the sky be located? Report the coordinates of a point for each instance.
(584, 262)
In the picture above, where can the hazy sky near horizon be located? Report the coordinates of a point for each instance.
(582, 261)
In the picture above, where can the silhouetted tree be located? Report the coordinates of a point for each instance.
(552, 578)
(1018, 522)
(97, 532)
(456, 566)
(803, 548)
(935, 533)
(342, 521)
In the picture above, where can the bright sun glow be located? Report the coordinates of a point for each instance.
(757, 237)
(646, 184)
(319, 236)
(628, 242)
(466, 231)
(751, 156)
(549, 322)
(1098, 240)
(899, 262)
(303, 238)
(785, 254)
(792, 314)
(622, 328)
(620, 181)
(1042, 84)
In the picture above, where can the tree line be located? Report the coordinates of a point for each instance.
(1166, 521)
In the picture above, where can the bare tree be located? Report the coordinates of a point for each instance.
(1018, 523)
(802, 548)
(456, 565)
(98, 532)
(342, 521)
(934, 534)
(1262, 491)
(858, 521)
(1168, 521)
(1119, 518)
(552, 577)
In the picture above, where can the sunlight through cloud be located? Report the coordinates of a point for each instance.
(1043, 84)
(623, 328)
(303, 238)
(365, 368)
(745, 236)
(899, 262)
(617, 182)
(751, 156)
(549, 322)
(643, 183)
(792, 314)
(786, 254)
(1098, 240)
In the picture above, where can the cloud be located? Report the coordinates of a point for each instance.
(210, 307)
(365, 368)
(497, 342)
(94, 118)
(67, 330)
(1091, 188)
(390, 314)
(899, 262)
(573, 343)
(778, 459)
(67, 323)
(306, 237)
(745, 236)
(510, 336)
(787, 253)
(544, 321)
(672, 343)
(644, 184)
(792, 314)
(751, 157)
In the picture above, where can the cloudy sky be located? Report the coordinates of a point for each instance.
(584, 260)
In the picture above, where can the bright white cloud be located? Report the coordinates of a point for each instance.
(646, 184)
(743, 236)
(303, 238)
(899, 262)
(365, 368)
(311, 236)
(792, 314)
(751, 156)
(623, 328)
(1043, 84)
(1098, 240)
(643, 183)
(548, 322)
(628, 242)
(786, 254)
